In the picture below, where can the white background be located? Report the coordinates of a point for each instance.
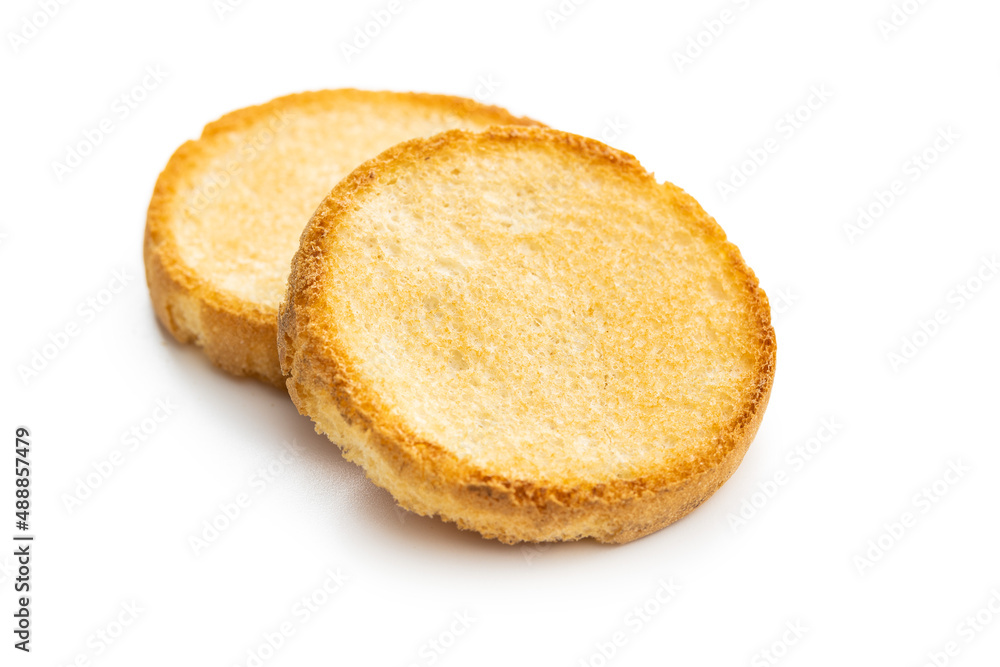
(841, 308)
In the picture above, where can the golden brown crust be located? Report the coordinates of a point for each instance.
(238, 335)
(427, 478)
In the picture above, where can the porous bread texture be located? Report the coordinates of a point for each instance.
(228, 209)
(521, 332)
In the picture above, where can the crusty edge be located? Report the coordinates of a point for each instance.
(237, 335)
(426, 478)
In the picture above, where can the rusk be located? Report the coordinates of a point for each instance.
(228, 209)
(522, 332)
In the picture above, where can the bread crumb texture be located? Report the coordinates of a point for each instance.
(522, 332)
(228, 210)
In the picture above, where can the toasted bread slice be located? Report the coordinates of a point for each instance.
(227, 211)
(522, 332)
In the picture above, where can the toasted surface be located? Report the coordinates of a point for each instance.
(522, 332)
(228, 210)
